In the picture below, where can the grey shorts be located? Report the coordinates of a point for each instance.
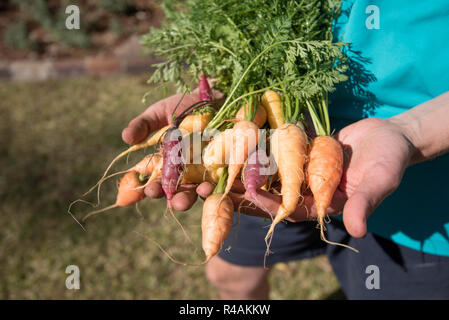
(381, 270)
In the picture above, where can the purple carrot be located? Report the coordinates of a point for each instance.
(205, 92)
(254, 175)
(172, 166)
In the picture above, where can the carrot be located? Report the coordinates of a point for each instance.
(149, 164)
(204, 89)
(150, 168)
(189, 123)
(172, 166)
(216, 153)
(273, 105)
(197, 173)
(151, 141)
(195, 123)
(216, 221)
(128, 193)
(253, 178)
(324, 170)
(259, 119)
(289, 148)
(214, 175)
(244, 137)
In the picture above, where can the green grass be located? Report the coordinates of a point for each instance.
(55, 141)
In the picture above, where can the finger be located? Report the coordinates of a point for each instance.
(205, 189)
(242, 205)
(355, 212)
(185, 197)
(154, 190)
(159, 115)
(238, 186)
(371, 191)
(266, 205)
(137, 130)
(266, 202)
(155, 117)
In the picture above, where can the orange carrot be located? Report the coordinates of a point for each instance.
(244, 141)
(128, 193)
(259, 119)
(148, 164)
(218, 211)
(324, 171)
(289, 148)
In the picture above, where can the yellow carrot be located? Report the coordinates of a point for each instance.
(273, 105)
(195, 122)
(216, 153)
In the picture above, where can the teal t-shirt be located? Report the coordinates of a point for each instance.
(399, 58)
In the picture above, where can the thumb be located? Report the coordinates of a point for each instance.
(137, 130)
(154, 118)
(157, 116)
(372, 190)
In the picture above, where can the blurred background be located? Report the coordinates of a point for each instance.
(65, 96)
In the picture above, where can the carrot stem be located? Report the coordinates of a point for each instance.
(315, 119)
(221, 185)
(226, 107)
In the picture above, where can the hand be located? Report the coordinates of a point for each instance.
(376, 154)
(154, 118)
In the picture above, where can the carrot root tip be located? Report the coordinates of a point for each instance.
(323, 237)
(90, 214)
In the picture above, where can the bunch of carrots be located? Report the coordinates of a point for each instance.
(260, 134)
(302, 163)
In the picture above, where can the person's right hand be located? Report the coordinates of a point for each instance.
(152, 119)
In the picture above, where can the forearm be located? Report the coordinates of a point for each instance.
(427, 127)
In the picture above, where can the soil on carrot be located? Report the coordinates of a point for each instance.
(55, 140)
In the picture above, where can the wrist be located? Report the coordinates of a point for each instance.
(426, 127)
(407, 128)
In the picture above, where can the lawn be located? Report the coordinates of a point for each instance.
(55, 140)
